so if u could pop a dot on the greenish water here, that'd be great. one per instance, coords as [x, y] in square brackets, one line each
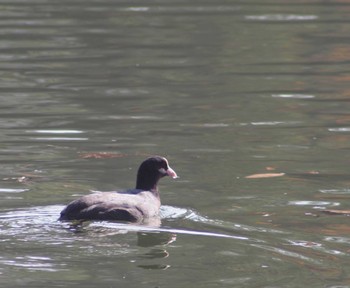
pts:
[224, 90]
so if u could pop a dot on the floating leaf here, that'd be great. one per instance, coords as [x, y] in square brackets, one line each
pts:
[264, 175]
[101, 155]
[337, 212]
[26, 178]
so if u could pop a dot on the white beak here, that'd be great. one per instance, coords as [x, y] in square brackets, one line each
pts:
[171, 173]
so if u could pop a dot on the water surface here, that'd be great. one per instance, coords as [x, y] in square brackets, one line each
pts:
[224, 90]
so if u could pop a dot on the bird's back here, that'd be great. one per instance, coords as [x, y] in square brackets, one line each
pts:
[132, 206]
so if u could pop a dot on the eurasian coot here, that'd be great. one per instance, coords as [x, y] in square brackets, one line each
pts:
[134, 205]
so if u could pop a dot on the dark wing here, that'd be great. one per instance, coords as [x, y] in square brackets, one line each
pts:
[80, 210]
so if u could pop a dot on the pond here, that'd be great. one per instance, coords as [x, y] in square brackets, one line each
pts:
[248, 100]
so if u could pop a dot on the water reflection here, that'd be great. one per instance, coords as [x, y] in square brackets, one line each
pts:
[154, 239]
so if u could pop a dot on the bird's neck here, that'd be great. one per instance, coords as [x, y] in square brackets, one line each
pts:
[148, 184]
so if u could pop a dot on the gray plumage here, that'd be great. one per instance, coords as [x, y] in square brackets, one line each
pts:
[134, 205]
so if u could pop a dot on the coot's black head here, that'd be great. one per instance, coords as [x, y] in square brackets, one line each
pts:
[151, 170]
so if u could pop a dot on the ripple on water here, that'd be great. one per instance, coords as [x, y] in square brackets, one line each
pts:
[316, 204]
[335, 191]
[315, 246]
[59, 138]
[340, 129]
[31, 263]
[206, 125]
[13, 190]
[55, 131]
[37, 227]
[287, 253]
[126, 117]
[281, 17]
[183, 9]
[58, 135]
[271, 124]
[293, 96]
[337, 239]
